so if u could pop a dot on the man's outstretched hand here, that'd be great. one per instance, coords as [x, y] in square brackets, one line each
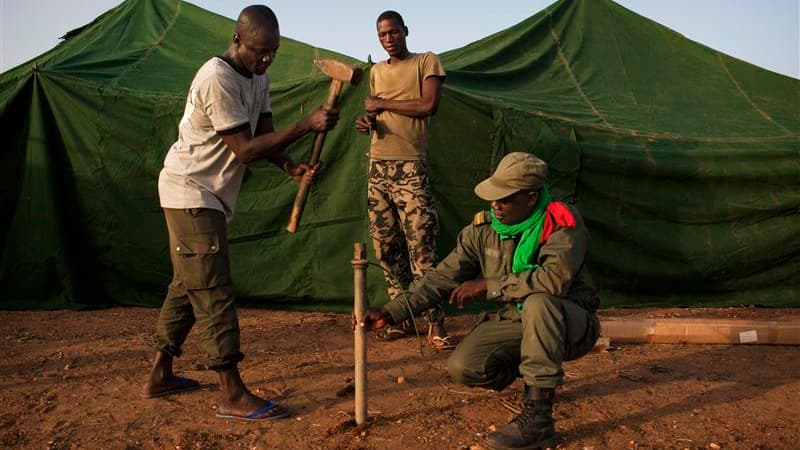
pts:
[374, 318]
[468, 291]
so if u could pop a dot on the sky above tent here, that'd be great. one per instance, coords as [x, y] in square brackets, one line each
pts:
[763, 33]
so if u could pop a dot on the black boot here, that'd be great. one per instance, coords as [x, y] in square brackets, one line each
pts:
[533, 428]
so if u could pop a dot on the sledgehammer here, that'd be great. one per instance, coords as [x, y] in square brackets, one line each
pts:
[340, 73]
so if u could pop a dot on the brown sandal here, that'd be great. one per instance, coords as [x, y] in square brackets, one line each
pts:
[441, 342]
[391, 333]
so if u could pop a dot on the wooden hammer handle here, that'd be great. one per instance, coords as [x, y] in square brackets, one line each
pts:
[305, 186]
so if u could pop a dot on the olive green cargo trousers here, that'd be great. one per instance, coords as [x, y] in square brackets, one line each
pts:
[531, 343]
[201, 290]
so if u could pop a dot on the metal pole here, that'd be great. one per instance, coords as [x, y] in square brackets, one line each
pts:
[359, 263]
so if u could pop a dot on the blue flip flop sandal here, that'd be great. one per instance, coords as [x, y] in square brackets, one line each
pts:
[184, 385]
[270, 411]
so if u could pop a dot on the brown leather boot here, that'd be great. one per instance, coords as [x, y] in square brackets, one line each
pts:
[533, 428]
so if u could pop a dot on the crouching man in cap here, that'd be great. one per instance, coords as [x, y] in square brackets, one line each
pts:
[528, 253]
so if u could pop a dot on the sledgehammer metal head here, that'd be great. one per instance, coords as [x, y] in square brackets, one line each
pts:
[338, 70]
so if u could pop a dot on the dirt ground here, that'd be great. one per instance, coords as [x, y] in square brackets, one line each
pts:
[71, 380]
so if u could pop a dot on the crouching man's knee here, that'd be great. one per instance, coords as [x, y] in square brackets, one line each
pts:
[458, 370]
[492, 374]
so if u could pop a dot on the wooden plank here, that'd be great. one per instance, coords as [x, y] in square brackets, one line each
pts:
[700, 331]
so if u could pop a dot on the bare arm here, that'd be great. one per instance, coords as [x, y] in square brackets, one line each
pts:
[461, 265]
[424, 106]
[271, 144]
[280, 158]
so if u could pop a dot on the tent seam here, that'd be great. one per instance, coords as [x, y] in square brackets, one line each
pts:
[274, 89]
[497, 137]
[629, 131]
[150, 48]
[66, 44]
[623, 65]
[748, 99]
[564, 62]
[104, 89]
[621, 195]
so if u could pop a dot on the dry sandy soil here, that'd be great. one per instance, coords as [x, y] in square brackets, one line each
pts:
[71, 380]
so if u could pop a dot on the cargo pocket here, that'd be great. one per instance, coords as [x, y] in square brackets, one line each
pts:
[201, 263]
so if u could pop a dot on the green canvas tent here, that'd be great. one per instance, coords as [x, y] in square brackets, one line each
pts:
[685, 162]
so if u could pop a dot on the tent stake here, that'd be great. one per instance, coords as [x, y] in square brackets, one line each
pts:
[359, 263]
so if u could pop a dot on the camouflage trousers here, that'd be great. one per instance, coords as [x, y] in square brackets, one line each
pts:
[403, 224]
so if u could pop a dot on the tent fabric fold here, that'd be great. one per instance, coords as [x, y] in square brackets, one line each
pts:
[684, 162]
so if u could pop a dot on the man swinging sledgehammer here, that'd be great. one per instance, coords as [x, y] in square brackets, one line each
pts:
[227, 124]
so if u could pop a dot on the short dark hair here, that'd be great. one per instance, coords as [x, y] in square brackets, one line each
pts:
[391, 15]
[255, 17]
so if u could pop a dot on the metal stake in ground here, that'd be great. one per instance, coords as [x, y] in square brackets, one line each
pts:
[359, 263]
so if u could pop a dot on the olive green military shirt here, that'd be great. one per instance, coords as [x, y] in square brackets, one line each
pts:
[480, 253]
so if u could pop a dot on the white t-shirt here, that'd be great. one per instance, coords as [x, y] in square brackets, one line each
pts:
[200, 171]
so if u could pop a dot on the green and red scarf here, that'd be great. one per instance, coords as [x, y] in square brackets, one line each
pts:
[534, 230]
[531, 231]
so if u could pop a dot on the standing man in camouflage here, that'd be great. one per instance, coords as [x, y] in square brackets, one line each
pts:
[527, 252]
[227, 124]
[403, 222]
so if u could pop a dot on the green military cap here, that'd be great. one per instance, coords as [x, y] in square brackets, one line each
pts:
[517, 171]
